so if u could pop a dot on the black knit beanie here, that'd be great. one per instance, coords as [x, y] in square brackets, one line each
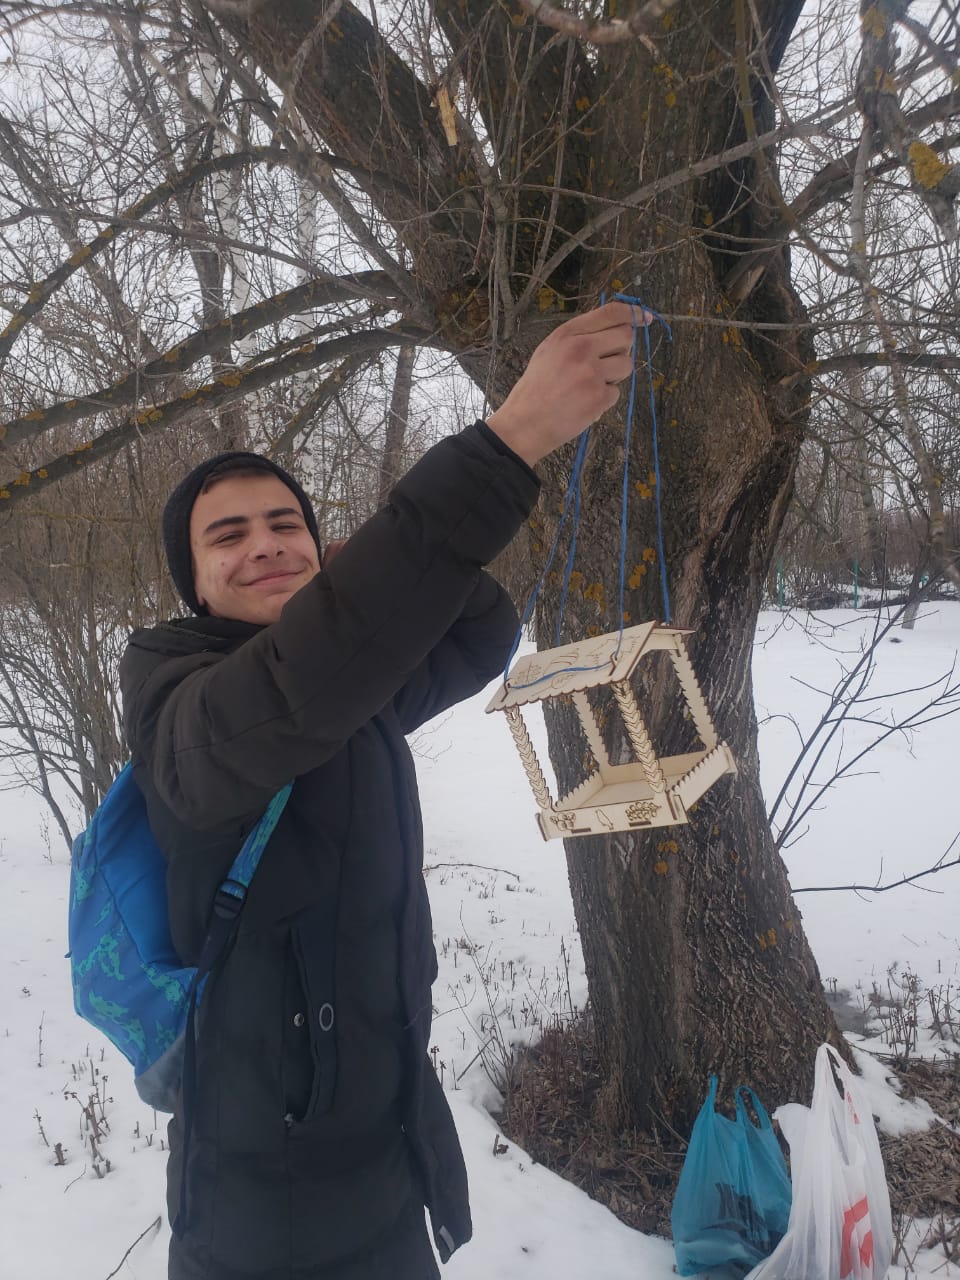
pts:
[176, 515]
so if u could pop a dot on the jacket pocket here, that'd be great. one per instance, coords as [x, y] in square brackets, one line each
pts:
[314, 951]
[297, 1067]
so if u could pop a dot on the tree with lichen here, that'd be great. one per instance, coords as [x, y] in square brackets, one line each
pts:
[490, 170]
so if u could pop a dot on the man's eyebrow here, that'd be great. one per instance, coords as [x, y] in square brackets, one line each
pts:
[273, 514]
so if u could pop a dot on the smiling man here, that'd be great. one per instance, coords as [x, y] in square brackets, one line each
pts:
[319, 1130]
[251, 545]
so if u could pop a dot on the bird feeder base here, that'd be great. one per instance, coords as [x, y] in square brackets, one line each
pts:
[624, 800]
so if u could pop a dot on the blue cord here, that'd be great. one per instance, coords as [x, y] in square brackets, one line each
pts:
[573, 494]
[571, 487]
[576, 477]
[625, 488]
[656, 456]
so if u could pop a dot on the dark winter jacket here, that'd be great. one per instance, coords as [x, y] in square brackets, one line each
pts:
[318, 1115]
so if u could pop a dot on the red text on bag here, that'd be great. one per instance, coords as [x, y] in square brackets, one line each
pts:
[852, 1216]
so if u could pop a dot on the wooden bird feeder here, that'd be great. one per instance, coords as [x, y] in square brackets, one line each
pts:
[647, 792]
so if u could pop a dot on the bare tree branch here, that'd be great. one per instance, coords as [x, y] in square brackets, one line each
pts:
[207, 342]
[222, 391]
[859, 260]
[893, 884]
[317, 171]
[370, 106]
[834, 182]
[639, 26]
[40, 293]
[689, 173]
[933, 360]
[326, 391]
[935, 182]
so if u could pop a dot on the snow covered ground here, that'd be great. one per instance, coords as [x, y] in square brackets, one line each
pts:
[505, 933]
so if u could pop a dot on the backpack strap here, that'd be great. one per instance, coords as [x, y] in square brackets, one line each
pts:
[224, 919]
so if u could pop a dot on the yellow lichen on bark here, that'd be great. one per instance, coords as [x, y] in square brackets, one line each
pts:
[927, 167]
[873, 24]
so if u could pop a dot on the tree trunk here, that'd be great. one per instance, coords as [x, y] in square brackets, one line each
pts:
[862, 478]
[695, 955]
[396, 427]
[863, 481]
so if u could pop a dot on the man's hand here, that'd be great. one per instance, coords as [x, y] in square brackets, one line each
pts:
[573, 377]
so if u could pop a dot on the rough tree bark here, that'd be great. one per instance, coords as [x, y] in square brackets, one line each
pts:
[695, 953]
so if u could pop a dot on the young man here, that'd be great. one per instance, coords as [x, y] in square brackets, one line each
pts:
[318, 1129]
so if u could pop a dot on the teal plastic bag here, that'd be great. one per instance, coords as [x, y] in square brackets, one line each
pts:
[732, 1203]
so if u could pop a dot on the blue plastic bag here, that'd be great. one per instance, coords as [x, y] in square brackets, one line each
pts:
[732, 1203]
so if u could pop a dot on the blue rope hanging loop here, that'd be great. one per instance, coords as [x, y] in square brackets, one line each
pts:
[573, 497]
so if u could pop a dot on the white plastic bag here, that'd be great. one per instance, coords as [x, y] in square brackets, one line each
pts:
[840, 1226]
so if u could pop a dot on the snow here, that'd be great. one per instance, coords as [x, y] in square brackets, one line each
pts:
[508, 947]
[895, 817]
[894, 1115]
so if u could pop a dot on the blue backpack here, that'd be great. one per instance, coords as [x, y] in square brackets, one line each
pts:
[128, 981]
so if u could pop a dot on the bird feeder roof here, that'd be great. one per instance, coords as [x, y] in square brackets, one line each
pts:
[598, 660]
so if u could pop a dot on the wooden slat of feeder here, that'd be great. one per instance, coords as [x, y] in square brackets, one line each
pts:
[627, 805]
[591, 730]
[698, 779]
[693, 694]
[622, 782]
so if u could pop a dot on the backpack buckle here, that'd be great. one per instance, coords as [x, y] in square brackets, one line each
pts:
[227, 902]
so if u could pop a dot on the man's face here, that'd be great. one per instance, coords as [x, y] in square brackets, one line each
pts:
[251, 548]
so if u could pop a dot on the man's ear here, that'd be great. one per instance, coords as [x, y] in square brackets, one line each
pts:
[193, 574]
